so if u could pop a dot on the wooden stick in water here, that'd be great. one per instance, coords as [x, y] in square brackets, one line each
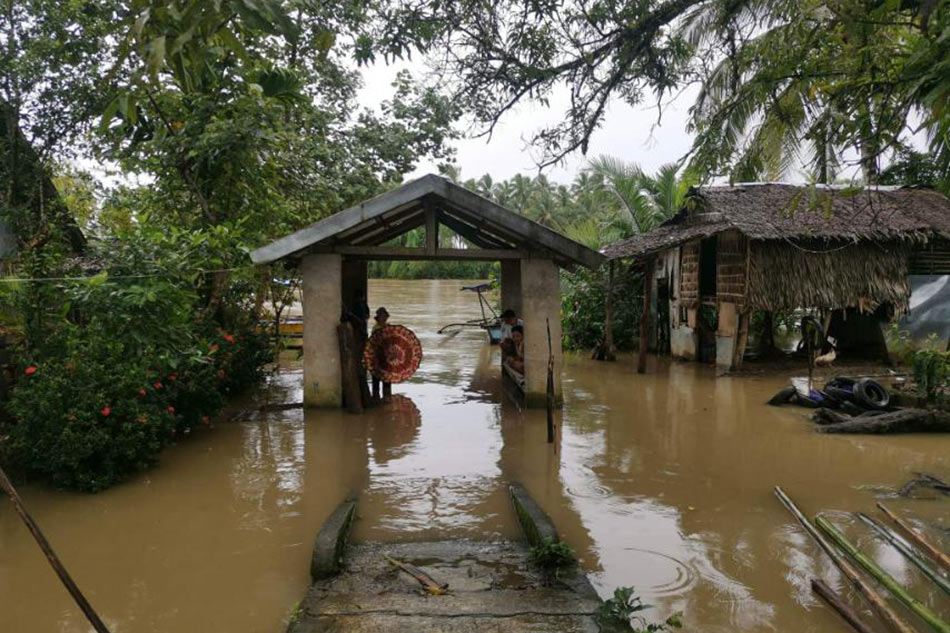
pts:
[424, 579]
[843, 608]
[905, 548]
[896, 589]
[549, 395]
[890, 617]
[51, 556]
[942, 559]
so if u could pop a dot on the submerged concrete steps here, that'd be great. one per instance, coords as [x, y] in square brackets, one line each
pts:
[492, 587]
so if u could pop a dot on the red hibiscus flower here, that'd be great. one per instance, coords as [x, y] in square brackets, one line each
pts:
[228, 338]
[106, 411]
[171, 409]
[29, 371]
[158, 385]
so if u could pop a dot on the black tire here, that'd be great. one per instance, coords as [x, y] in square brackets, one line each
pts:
[870, 394]
[843, 382]
[783, 396]
[838, 394]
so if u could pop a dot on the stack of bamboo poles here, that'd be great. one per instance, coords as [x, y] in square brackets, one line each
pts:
[828, 537]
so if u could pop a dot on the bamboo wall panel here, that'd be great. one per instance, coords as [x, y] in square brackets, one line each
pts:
[931, 259]
[689, 274]
[732, 250]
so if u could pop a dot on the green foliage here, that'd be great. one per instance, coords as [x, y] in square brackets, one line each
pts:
[583, 312]
[623, 611]
[931, 370]
[553, 556]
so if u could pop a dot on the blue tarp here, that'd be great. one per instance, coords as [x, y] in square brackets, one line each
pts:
[929, 307]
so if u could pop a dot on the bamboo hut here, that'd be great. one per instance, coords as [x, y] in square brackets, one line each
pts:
[846, 254]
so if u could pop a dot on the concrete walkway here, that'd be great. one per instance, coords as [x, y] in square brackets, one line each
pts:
[493, 588]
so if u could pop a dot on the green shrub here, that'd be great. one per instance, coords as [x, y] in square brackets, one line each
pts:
[553, 556]
[125, 370]
[622, 611]
[931, 370]
[85, 424]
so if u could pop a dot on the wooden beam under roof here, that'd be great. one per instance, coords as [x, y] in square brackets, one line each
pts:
[473, 234]
[409, 253]
[384, 233]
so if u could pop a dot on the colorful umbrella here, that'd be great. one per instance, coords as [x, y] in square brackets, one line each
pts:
[392, 353]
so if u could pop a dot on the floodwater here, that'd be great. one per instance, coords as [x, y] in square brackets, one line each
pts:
[661, 481]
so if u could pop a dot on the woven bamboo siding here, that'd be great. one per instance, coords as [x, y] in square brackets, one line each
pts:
[689, 274]
[732, 258]
[783, 276]
[932, 258]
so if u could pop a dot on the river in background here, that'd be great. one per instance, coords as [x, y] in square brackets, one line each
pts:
[662, 481]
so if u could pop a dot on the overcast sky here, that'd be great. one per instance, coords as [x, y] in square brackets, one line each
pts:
[627, 133]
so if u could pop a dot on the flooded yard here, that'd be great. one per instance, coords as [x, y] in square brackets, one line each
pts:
[661, 481]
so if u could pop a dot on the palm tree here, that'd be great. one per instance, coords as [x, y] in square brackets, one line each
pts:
[639, 202]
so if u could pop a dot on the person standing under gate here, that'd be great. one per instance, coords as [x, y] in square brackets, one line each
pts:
[382, 318]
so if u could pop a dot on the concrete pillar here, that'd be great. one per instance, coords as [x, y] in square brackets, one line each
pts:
[727, 336]
[540, 303]
[322, 277]
[511, 285]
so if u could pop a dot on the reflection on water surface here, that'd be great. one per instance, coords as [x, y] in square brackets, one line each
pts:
[661, 481]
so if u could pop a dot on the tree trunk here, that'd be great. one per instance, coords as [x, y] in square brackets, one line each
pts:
[902, 421]
[606, 349]
[645, 317]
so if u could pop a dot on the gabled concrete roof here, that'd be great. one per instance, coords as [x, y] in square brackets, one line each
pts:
[485, 224]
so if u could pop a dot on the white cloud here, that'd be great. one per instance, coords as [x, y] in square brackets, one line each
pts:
[627, 133]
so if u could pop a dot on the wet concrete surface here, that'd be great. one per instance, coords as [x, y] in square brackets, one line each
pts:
[491, 587]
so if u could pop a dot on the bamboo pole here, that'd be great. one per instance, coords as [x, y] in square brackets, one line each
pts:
[839, 605]
[896, 589]
[905, 548]
[51, 556]
[942, 559]
[890, 617]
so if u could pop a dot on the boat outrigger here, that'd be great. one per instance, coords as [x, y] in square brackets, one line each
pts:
[490, 321]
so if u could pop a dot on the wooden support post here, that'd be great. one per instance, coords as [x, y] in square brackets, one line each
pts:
[51, 556]
[549, 399]
[645, 317]
[742, 339]
[350, 369]
[432, 231]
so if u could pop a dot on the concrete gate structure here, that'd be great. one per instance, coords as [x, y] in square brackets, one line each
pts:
[332, 256]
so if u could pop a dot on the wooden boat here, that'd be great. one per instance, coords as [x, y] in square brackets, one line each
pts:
[513, 376]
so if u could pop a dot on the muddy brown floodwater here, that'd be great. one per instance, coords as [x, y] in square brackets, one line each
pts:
[661, 481]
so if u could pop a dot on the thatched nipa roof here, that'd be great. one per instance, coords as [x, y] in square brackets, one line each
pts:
[785, 275]
[777, 211]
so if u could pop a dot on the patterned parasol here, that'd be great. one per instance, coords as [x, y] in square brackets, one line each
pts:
[392, 354]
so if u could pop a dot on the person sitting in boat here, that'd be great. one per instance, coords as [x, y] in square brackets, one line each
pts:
[509, 320]
[381, 318]
[515, 359]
